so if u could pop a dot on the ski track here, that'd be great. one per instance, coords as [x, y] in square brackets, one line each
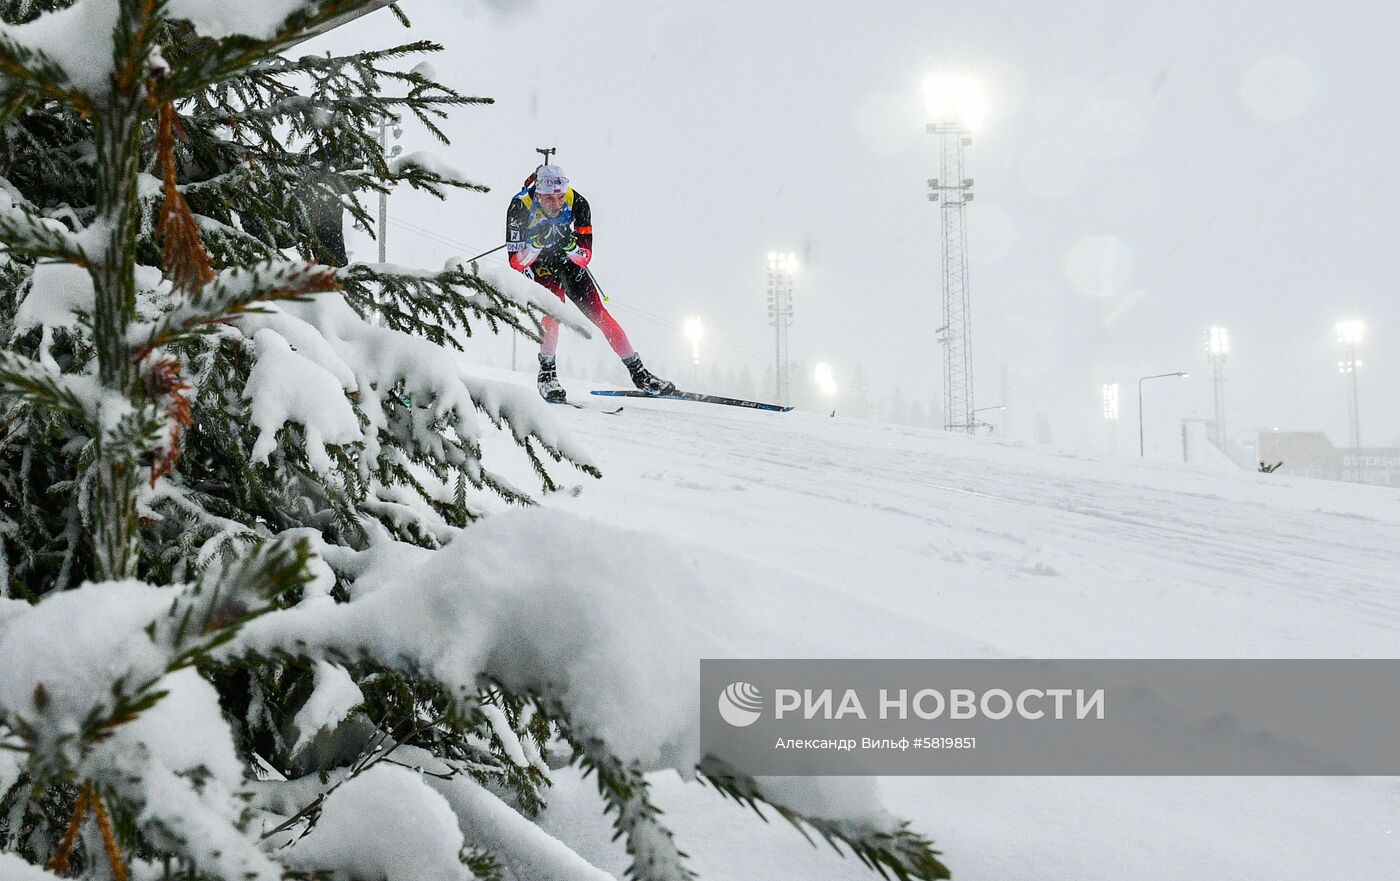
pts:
[918, 543]
[936, 508]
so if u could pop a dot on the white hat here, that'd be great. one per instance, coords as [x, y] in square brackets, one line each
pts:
[550, 180]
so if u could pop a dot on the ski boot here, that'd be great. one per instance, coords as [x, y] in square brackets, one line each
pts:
[548, 382]
[645, 380]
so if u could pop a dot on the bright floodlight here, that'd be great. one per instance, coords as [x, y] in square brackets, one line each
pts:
[825, 379]
[1218, 341]
[785, 262]
[1110, 401]
[694, 331]
[961, 98]
[1350, 332]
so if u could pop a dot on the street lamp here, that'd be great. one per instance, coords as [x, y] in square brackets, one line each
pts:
[389, 153]
[989, 425]
[1142, 446]
[1349, 334]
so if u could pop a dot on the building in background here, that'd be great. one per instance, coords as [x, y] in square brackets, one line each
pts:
[1312, 454]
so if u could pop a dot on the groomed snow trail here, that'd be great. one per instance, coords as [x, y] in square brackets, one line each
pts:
[862, 539]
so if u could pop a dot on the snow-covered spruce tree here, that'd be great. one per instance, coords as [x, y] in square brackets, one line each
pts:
[243, 631]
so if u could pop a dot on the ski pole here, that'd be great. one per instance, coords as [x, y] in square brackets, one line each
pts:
[483, 254]
[589, 273]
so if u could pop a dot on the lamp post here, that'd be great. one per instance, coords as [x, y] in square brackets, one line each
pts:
[1349, 334]
[1142, 444]
[389, 153]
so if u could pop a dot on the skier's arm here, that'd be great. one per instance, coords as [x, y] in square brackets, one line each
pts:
[581, 250]
[521, 254]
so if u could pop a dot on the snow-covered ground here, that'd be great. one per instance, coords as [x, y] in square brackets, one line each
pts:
[861, 539]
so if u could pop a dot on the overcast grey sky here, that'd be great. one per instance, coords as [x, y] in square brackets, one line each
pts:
[1147, 170]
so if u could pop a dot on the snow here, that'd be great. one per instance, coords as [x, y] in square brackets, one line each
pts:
[860, 539]
[11, 608]
[58, 292]
[185, 731]
[385, 825]
[78, 39]
[500, 726]
[332, 698]
[78, 649]
[727, 533]
[429, 162]
[375, 359]
[496, 601]
[12, 868]
[220, 18]
[68, 661]
[526, 292]
[301, 336]
[188, 815]
[10, 769]
[491, 824]
[286, 387]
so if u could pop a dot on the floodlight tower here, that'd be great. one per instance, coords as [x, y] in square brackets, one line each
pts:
[957, 105]
[1110, 411]
[781, 268]
[1217, 350]
[1349, 334]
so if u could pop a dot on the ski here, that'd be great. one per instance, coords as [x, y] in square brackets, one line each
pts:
[610, 411]
[693, 396]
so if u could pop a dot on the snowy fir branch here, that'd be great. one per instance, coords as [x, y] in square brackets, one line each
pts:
[624, 789]
[29, 75]
[31, 381]
[258, 588]
[232, 293]
[899, 852]
[211, 59]
[35, 236]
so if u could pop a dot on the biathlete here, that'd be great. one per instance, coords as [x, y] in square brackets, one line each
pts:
[549, 234]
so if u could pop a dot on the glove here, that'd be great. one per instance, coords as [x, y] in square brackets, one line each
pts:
[546, 236]
[579, 256]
